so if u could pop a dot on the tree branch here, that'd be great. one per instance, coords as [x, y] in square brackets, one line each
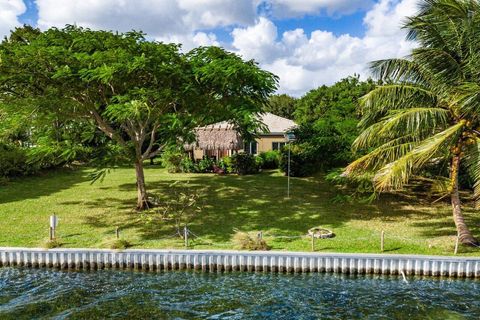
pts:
[102, 125]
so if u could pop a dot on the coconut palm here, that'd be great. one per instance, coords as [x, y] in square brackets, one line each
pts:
[428, 109]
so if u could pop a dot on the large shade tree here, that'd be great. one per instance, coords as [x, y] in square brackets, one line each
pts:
[428, 111]
[141, 94]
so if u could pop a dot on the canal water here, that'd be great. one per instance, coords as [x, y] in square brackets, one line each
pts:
[36, 293]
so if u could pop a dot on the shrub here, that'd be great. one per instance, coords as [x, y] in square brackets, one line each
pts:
[204, 165]
[13, 161]
[226, 164]
[244, 163]
[271, 159]
[52, 244]
[302, 160]
[249, 241]
[174, 160]
[119, 244]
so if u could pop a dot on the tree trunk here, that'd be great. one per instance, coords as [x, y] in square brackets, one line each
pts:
[142, 201]
[464, 234]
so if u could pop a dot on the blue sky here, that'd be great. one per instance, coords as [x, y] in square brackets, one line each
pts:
[307, 43]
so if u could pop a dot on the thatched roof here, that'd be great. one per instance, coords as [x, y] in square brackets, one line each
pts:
[223, 136]
[216, 138]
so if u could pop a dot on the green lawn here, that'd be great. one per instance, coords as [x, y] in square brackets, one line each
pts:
[89, 214]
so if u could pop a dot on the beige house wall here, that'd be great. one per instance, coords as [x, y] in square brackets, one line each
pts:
[265, 142]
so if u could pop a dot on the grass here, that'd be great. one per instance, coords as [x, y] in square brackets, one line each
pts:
[88, 214]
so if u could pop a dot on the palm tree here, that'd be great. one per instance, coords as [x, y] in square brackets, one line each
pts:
[428, 109]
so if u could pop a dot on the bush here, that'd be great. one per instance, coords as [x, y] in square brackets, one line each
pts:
[174, 160]
[244, 163]
[226, 164]
[302, 160]
[204, 165]
[271, 159]
[13, 162]
[52, 244]
[249, 241]
[119, 244]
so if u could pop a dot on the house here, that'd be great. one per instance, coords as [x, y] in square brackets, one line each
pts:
[220, 139]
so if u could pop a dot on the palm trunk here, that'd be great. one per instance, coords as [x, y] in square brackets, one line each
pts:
[142, 201]
[464, 234]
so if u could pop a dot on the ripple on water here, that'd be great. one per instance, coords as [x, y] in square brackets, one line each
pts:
[35, 293]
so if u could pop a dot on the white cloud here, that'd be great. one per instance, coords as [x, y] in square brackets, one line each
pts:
[305, 61]
[9, 12]
[158, 18]
[192, 41]
[257, 42]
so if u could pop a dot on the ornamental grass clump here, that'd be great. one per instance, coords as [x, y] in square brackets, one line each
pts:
[249, 241]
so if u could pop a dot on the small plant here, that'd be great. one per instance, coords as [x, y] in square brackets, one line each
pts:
[119, 244]
[205, 165]
[227, 165]
[181, 205]
[249, 241]
[51, 244]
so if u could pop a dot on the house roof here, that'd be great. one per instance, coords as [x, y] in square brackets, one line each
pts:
[274, 123]
[223, 136]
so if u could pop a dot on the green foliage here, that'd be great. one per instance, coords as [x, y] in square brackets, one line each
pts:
[427, 110]
[204, 165]
[176, 161]
[182, 205]
[119, 244]
[249, 241]
[13, 161]
[52, 244]
[303, 159]
[226, 164]
[328, 120]
[244, 163]
[271, 159]
[143, 95]
[281, 105]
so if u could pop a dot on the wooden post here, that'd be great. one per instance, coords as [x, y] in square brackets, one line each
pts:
[51, 234]
[313, 242]
[456, 245]
[382, 241]
[185, 236]
[117, 232]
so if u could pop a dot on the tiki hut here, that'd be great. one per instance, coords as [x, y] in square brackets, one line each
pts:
[217, 140]
[221, 139]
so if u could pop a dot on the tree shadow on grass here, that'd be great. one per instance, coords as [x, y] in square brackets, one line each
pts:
[43, 184]
[259, 202]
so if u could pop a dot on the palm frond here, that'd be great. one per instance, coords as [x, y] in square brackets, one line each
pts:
[375, 104]
[395, 174]
[382, 155]
[417, 122]
[472, 163]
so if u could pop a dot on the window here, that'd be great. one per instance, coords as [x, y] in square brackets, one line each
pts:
[250, 148]
[276, 146]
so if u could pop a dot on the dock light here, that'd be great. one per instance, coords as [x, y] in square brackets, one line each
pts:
[290, 137]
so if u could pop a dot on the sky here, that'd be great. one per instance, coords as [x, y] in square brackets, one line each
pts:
[307, 43]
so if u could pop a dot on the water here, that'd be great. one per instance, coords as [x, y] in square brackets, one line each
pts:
[34, 293]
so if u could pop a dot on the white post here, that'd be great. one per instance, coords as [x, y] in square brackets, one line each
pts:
[288, 173]
[185, 235]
